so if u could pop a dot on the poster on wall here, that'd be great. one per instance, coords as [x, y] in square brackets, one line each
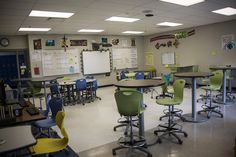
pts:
[149, 58]
[78, 42]
[115, 41]
[228, 42]
[37, 44]
[50, 42]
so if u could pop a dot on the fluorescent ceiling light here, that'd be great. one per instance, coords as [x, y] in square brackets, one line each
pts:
[184, 2]
[35, 29]
[38, 13]
[121, 19]
[225, 11]
[171, 24]
[133, 32]
[91, 30]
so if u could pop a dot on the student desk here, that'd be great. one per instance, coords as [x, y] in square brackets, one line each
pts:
[40, 79]
[44, 80]
[24, 118]
[193, 75]
[223, 68]
[69, 86]
[139, 84]
[15, 138]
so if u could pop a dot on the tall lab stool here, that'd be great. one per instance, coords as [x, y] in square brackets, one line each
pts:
[214, 85]
[129, 104]
[170, 128]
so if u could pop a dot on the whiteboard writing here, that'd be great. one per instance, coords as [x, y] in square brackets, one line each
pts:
[124, 58]
[59, 62]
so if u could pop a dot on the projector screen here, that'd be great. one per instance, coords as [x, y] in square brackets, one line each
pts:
[96, 62]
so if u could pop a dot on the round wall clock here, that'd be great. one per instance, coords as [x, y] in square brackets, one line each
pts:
[4, 42]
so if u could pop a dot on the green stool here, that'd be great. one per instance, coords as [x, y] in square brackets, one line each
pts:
[129, 104]
[170, 128]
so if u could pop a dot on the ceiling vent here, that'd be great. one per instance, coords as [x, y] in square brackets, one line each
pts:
[54, 19]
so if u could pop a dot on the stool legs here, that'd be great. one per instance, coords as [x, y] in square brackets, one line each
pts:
[132, 142]
[209, 109]
[170, 128]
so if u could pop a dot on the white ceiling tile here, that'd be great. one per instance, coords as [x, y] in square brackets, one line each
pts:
[92, 13]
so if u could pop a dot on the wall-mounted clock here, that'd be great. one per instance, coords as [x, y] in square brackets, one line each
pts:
[4, 42]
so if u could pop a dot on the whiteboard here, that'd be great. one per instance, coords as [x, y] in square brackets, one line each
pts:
[59, 62]
[124, 58]
[96, 62]
[168, 58]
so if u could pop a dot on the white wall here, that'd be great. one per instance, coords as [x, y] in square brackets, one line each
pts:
[102, 79]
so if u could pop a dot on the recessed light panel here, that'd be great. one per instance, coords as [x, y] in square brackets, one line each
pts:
[91, 30]
[35, 29]
[184, 2]
[226, 11]
[121, 19]
[132, 32]
[38, 13]
[171, 24]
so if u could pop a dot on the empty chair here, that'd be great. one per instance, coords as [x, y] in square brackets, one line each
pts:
[54, 105]
[51, 145]
[229, 79]
[169, 92]
[54, 88]
[204, 97]
[129, 104]
[122, 75]
[81, 90]
[124, 120]
[94, 90]
[139, 76]
[170, 128]
[34, 90]
[215, 84]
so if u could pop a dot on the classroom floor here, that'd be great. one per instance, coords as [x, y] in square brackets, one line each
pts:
[90, 129]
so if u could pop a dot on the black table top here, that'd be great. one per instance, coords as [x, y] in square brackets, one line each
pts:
[193, 74]
[139, 83]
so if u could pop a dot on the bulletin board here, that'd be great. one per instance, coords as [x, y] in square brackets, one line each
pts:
[96, 62]
[124, 58]
[59, 62]
[168, 58]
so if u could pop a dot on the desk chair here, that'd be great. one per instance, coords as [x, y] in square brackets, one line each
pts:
[169, 92]
[166, 92]
[94, 91]
[214, 85]
[129, 103]
[229, 79]
[170, 127]
[54, 105]
[122, 75]
[124, 120]
[81, 90]
[34, 90]
[51, 145]
[139, 76]
[54, 88]
[205, 97]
